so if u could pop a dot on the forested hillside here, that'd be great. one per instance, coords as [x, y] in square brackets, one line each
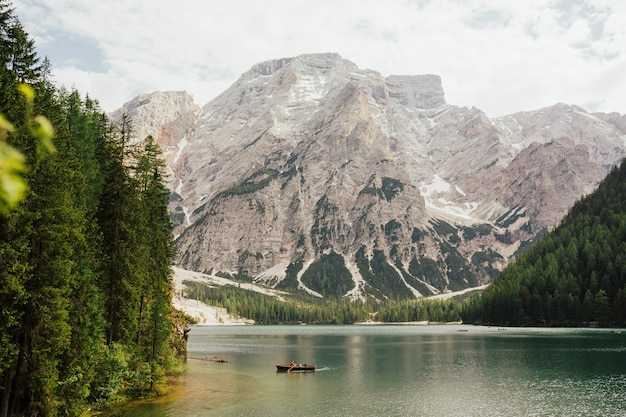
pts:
[85, 247]
[265, 309]
[575, 275]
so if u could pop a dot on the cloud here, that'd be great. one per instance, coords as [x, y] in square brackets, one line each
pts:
[499, 56]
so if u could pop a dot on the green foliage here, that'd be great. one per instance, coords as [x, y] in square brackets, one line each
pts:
[12, 185]
[85, 257]
[382, 277]
[572, 276]
[290, 173]
[485, 260]
[370, 190]
[429, 270]
[424, 309]
[112, 372]
[417, 235]
[390, 229]
[223, 274]
[177, 218]
[511, 216]
[484, 229]
[391, 187]
[12, 162]
[328, 276]
[526, 244]
[291, 276]
[255, 140]
[254, 183]
[292, 159]
[265, 309]
[324, 224]
[469, 233]
[443, 228]
[460, 275]
[413, 281]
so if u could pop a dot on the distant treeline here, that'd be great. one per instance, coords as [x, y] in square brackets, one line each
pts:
[85, 247]
[265, 309]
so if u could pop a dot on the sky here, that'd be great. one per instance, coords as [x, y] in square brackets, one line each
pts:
[501, 56]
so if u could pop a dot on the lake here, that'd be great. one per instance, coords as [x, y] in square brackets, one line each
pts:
[399, 370]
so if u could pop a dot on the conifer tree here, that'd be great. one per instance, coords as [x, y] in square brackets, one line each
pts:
[85, 277]
[159, 253]
[116, 221]
[574, 275]
[23, 59]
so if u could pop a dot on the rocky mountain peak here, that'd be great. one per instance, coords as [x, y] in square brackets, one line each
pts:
[168, 116]
[321, 62]
[417, 91]
[313, 175]
[306, 75]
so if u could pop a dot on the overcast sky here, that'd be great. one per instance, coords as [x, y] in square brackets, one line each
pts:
[501, 56]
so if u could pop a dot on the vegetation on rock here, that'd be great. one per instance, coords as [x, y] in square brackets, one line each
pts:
[575, 275]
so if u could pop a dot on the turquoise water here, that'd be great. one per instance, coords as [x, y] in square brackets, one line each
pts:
[446, 370]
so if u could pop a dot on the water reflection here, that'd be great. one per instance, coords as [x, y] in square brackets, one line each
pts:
[393, 370]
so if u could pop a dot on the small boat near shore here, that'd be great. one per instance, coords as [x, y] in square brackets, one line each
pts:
[297, 367]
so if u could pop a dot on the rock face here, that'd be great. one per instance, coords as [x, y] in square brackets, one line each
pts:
[311, 173]
[168, 116]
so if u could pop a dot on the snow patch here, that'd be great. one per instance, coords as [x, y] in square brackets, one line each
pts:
[356, 293]
[301, 285]
[437, 185]
[415, 292]
[277, 271]
[181, 145]
[179, 188]
[449, 295]
[309, 87]
[187, 215]
[444, 207]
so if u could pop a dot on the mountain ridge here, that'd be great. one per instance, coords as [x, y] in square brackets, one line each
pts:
[308, 156]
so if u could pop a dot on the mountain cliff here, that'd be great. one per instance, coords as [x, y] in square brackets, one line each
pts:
[309, 173]
[573, 276]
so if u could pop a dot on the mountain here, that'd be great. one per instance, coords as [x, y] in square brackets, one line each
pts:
[168, 116]
[573, 276]
[310, 173]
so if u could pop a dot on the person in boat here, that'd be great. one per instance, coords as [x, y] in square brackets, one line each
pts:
[292, 364]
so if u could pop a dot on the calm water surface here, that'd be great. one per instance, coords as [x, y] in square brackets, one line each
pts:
[399, 371]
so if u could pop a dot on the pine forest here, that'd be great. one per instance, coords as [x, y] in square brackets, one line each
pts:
[574, 276]
[85, 247]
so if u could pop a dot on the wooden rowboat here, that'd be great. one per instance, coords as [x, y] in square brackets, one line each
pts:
[295, 368]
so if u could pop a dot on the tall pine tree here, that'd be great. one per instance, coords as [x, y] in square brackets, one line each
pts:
[85, 277]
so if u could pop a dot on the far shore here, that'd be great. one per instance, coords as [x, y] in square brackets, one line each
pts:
[207, 315]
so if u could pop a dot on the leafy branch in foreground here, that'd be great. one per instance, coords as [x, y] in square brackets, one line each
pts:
[12, 162]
